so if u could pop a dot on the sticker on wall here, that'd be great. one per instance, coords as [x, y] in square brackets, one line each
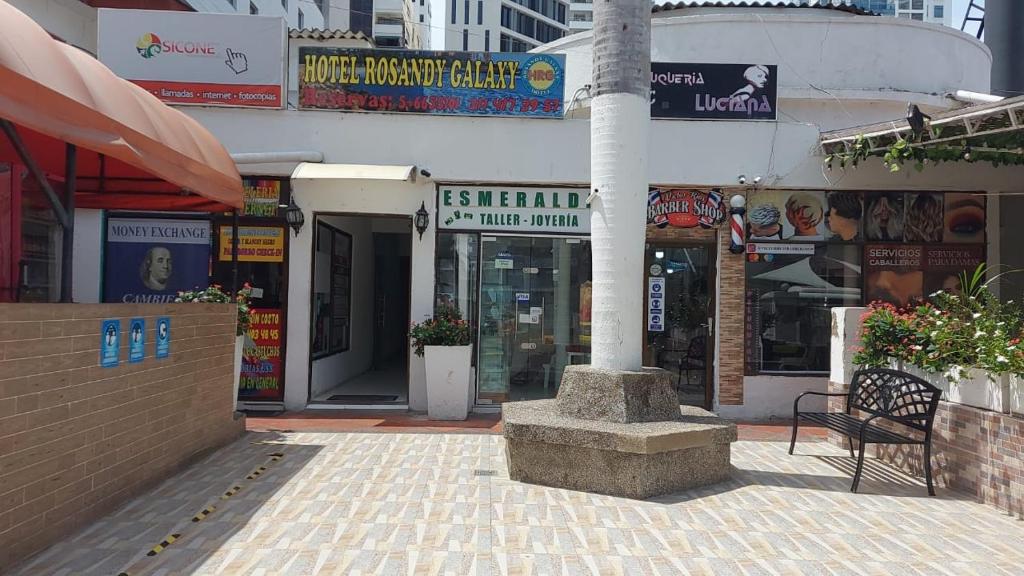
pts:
[136, 340]
[655, 269]
[522, 296]
[163, 337]
[110, 343]
[655, 304]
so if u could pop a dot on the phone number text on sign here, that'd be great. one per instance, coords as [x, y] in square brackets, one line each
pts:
[321, 98]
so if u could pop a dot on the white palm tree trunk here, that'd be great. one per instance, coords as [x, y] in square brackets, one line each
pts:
[619, 125]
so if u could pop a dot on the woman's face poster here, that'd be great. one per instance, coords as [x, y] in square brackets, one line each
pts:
[964, 219]
[883, 216]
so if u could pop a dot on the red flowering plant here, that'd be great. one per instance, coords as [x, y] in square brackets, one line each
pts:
[446, 328]
[947, 334]
[214, 294]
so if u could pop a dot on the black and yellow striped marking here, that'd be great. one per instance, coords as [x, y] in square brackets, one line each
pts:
[234, 490]
[163, 545]
[252, 475]
[204, 513]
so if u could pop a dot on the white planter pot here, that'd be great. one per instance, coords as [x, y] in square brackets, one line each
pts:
[978, 388]
[448, 390]
[1016, 388]
[239, 346]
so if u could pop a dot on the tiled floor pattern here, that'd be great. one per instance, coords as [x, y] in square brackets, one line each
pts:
[351, 503]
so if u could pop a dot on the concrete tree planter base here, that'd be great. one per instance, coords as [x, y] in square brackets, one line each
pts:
[239, 347]
[448, 391]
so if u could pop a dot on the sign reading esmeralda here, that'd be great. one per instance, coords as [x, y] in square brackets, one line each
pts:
[714, 91]
[425, 82]
[507, 209]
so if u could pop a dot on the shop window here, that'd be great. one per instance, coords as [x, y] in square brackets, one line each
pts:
[808, 251]
[39, 265]
[332, 291]
[789, 300]
[457, 281]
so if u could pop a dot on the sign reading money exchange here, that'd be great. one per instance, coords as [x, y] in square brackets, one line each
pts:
[452, 83]
[714, 91]
[513, 210]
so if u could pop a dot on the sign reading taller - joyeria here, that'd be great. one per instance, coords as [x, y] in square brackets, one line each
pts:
[514, 210]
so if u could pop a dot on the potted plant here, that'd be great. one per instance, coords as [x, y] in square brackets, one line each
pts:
[214, 294]
[444, 342]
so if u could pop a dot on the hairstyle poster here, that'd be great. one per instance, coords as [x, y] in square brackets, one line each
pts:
[924, 220]
[785, 215]
[964, 220]
[149, 260]
[844, 216]
[883, 216]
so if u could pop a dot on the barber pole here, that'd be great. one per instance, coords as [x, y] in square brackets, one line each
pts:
[737, 209]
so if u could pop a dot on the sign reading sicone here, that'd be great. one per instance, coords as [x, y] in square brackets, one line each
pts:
[453, 83]
[503, 209]
[714, 91]
[196, 58]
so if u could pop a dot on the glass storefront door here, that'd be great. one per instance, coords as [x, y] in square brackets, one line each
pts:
[680, 339]
[534, 315]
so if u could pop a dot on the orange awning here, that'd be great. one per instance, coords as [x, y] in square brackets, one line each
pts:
[134, 152]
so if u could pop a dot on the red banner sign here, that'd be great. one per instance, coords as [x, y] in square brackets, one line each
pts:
[261, 358]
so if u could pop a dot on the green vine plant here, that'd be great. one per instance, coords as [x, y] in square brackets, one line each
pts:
[999, 150]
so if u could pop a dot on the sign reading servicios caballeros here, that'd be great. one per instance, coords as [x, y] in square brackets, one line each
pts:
[519, 210]
[453, 83]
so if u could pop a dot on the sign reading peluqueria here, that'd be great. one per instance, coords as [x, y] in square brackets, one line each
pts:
[513, 210]
[425, 82]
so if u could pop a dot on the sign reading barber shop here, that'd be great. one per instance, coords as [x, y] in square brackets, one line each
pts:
[683, 208]
[521, 210]
[714, 91]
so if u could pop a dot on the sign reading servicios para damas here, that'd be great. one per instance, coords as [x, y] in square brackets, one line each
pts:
[514, 210]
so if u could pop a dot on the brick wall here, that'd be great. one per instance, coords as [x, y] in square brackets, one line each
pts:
[78, 440]
[732, 287]
[973, 450]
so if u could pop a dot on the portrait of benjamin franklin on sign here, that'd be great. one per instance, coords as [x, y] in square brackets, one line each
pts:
[156, 268]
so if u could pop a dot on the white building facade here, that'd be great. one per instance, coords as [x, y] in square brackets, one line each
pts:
[504, 25]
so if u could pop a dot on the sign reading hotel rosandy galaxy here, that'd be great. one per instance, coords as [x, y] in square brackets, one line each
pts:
[197, 58]
[453, 83]
[714, 91]
[511, 209]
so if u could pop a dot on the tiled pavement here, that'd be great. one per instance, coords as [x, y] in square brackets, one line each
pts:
[357, 503]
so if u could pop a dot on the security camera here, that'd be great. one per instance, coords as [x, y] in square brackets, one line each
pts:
[757, 180]
[742, 179]
[425, 173]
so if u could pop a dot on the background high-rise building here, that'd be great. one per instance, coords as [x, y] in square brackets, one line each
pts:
[934, 11]
[504, 25]
[581, 15]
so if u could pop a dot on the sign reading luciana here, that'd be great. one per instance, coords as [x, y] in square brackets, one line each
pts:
[196, 58]
[682, 208]
[453, 83]
[714, 91]
[502, 209]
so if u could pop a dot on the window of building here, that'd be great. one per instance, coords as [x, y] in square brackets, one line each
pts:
[487, 40]
[253, 10]
[457, 276]
[938, 12]
[454, 6]
[332, 291]
[302, 19]
[360, 17]
[234, 3]
[466, 19]
[389, 19]
[421, 18]
[388, 41]
[320, 7]
[809, 251]
[284, 4]
[465, 39]
[480, 12]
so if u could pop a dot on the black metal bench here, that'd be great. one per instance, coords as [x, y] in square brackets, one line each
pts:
[882, 394]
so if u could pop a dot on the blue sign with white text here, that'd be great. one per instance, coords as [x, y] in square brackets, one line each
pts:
[431, 82]
[110, 343]
[163, 337]
[137, 340]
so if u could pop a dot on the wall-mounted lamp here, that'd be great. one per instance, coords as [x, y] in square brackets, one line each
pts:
[293, 215]
[422, 220]
[737, 208]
